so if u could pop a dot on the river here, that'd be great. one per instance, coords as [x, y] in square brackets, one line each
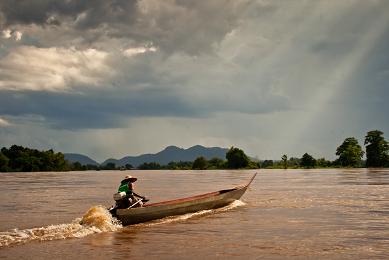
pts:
[294, 214]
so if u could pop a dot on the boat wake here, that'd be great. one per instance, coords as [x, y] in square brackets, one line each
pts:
[96, 220]
[235, 204]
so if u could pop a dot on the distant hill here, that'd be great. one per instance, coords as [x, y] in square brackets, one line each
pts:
[83, 159]
[172, 153]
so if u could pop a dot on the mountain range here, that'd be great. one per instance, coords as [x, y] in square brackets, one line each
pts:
[83, 159]
[169, 154]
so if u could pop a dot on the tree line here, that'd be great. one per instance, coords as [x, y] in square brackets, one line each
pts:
[235, 159]
[349, 154]
[22, 159]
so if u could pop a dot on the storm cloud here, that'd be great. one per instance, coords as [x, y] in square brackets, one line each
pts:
[247, 73]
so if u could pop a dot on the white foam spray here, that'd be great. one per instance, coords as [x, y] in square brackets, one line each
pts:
[96, 220]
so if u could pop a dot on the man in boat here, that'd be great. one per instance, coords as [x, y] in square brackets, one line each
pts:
[126, 197]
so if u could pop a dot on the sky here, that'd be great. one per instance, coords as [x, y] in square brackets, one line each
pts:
[109, 78]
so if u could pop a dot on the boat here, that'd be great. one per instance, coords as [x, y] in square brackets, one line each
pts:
[158, 210]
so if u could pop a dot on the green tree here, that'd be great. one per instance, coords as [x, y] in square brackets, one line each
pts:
[200, 163]
[377, 149]
[77, 166]
[294, 162]
[253, 165]
[284, 159]
[150, 166]
[323, 163]
[58, 162]
[236, 158]
[181, 165]
[350, 153]
[267, 164]
[26, 159]
[307, 161]
[128, 166]
[110, 166]
[216, 163]
[3, 162]
[92, 167]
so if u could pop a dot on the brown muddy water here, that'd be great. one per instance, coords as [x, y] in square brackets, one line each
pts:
[300, 214]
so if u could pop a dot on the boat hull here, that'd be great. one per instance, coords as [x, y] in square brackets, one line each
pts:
[181, 206]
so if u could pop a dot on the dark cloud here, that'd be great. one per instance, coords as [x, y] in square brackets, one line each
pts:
[107, 12]
[191, 27]
[344, 31]
[96, 110]
[39, 11]
[103, 109]
[43, 12]
[369, 85]
[173, 26]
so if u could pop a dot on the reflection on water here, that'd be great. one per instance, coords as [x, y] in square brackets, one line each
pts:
[364, 177]
[329, 214]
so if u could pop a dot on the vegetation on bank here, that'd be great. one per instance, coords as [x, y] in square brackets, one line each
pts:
[350, 154]
[21, 159]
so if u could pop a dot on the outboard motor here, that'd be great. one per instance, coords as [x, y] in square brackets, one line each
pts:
[122, 200]
[119, 196]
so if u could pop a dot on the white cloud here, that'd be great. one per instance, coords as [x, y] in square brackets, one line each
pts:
[6, 34]
[17, 35]
[4, 122]
[52, 69]
[138, 50]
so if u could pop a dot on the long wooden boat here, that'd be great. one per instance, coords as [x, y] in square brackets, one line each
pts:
[163, 209]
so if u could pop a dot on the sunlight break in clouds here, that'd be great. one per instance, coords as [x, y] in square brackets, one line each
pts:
[4, 122]
[51, 69]
[338, 79]
[7, 34]
[138, 50]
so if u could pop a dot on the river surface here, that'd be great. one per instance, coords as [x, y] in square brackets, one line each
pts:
[294, 214]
